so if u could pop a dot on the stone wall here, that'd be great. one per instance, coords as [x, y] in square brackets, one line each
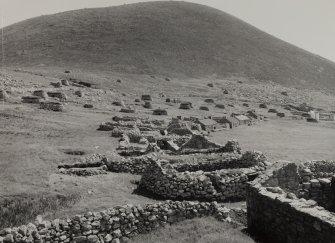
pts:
[112, 225]
[162, 179]
[277, 215]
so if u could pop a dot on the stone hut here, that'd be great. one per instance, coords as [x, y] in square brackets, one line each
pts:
[52, 106]
[232, 121]
[242, 119]
[220, 106]
[208, 124]
[160, 112]
[40, 93]
[128, 110]
[31, 99]
[146, 97]
[186, 106]
[204, 108]
[209, 100]
[88, 106]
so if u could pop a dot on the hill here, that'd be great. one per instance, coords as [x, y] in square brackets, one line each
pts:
[163, 38]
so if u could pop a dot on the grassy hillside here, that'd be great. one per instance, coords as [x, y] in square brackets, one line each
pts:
[166, 38]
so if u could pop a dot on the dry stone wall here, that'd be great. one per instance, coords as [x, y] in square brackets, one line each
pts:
[277, 215]
[113, 225]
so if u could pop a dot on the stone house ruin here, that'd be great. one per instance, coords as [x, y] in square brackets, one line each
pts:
[209, 100]
[242, 119]
[146, 97]
[186, 106]
[208, 124]
[327, 116]
[231, 121]
[204, 108]
[291, 203]
[31, 99]
[160, 112]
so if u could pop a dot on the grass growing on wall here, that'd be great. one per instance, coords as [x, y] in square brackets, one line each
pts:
[18, 210]
[204, 230]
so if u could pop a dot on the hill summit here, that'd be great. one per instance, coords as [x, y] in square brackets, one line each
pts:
[167, 38]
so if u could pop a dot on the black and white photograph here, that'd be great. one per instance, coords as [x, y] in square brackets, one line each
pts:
[141, 121]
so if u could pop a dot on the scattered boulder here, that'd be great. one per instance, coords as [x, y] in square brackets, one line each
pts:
[167, 79]
[284, 93]
[245, 104]
[281, 114]
[168, 100]
[210, 85]
[67, 71]
[137, 100]
[52, 106]
[225, 91]
[88, 106]
[31, 99]
[119, 81]
[40, 93]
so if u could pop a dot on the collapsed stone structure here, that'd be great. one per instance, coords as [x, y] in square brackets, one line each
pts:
[113, 225]
[59, 95]
[211, 181]
[52, 106]
[291, 203]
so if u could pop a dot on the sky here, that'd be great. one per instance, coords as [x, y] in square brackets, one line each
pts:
[309, 24]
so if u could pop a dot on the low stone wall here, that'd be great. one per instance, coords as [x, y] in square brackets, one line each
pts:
[135, 165]
[162, 179]
[277, 215]
[114, 225]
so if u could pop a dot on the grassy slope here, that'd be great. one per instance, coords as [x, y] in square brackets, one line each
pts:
[167, 38]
